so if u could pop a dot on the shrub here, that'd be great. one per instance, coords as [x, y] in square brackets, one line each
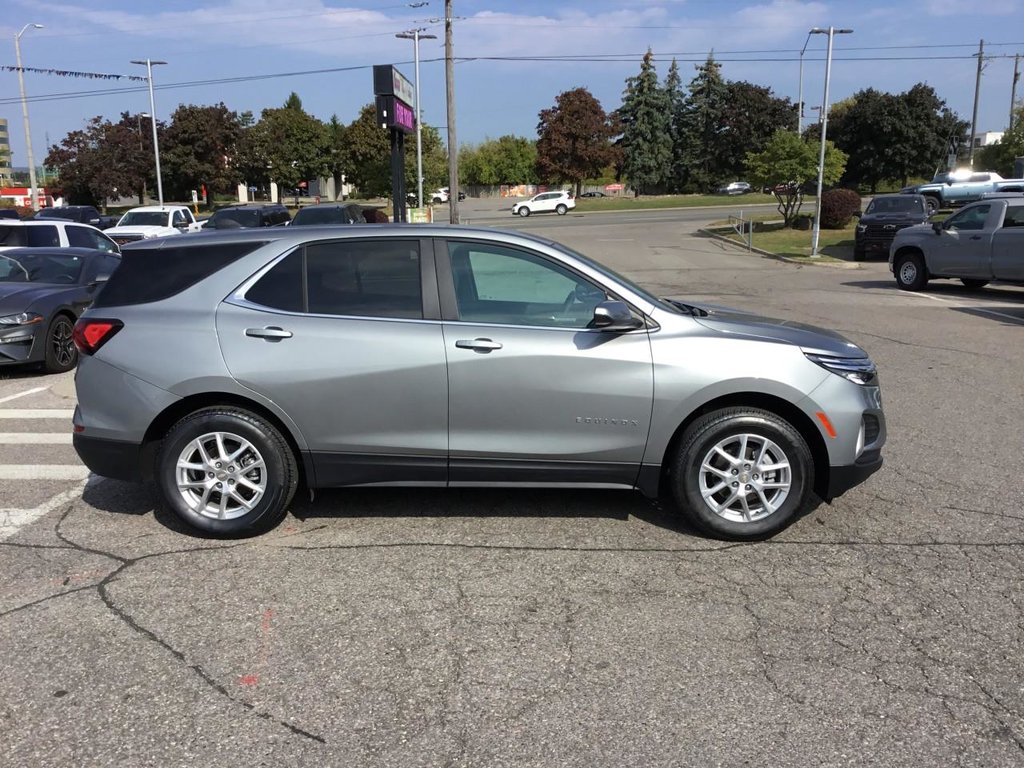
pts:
[838, 207]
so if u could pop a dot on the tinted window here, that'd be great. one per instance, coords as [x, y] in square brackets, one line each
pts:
[60, 269]
[12, 237]
[502, 285]
[1014, 216]
[365, 278]
[328, 214]
[233, 219]
[143, 219]
[969, 219]
[42, 237]
[151, 274]
[78, 237]
[281, 287]
[901, 204]
[56, 213]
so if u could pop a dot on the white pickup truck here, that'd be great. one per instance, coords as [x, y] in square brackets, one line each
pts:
[153, 221]
[980, 243]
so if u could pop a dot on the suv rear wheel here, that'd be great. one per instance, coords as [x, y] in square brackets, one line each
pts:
[226, 471]
[561, 209]
[742, 473]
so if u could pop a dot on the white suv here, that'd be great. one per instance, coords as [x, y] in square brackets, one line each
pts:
[53, 233]
[560, 202]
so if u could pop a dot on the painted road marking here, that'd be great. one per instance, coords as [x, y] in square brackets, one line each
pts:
[36, 413]
[43, 472]
[41, 438]
[960, 304]
[23, 394]
[12, 520]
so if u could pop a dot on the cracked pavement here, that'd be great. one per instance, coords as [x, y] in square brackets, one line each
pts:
[408, 627]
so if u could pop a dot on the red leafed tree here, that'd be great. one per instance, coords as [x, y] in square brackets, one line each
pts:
[575, 139]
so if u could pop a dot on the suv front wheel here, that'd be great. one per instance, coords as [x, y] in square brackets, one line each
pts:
[226, 471]
[742, 473]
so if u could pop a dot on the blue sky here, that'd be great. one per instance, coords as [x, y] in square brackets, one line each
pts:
[894, 45]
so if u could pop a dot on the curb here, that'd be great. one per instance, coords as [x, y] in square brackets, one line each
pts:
[789, 259]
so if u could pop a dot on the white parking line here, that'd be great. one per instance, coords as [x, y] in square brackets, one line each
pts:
[959, 303]
[23, 394]
[42, 438]
[43, 472]
[36, 413]
[12, 519]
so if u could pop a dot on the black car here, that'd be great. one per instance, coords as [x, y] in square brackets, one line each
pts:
[248, 217]
[9, 213]
[593, 194]
[42, 293]
[83, 214]
[329, 213]
[884, 217]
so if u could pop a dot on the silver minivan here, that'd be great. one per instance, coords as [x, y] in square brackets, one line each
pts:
[230, 367]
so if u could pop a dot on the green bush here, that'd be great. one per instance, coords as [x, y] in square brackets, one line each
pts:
[838, 207]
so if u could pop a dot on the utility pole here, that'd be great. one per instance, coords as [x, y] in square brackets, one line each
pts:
[974, 118]
[1013, 88]
[453, 147]
[24, 112]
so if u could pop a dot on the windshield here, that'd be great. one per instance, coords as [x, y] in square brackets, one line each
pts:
[40, 268]
[55, 213]
[234, 219]
[645, 294]
[325, 215]
[900, 204]
[144, 219]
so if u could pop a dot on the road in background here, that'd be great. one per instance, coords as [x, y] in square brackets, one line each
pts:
[565, 627]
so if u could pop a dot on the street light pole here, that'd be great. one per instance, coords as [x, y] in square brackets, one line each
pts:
[831, 32]
[24, 114]
[800, 93]
[152, 113]
[138, 121]
[415, 36]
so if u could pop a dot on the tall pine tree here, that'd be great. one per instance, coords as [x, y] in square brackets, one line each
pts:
[676, 101]
[646, 138]
[701, 123]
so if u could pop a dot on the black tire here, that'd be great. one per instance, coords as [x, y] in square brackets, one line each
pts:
[61, 354]
[859, 254]
[973, 282]
[279, 472]
[910, 272]
[561, 209]
[524, 211]
[931, 204]
[726, 427]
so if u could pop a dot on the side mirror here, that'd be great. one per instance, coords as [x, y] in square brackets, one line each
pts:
[614, 316]
[99, 281]
[937, 227]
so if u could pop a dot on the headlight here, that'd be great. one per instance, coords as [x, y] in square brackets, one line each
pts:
[859, 370]
[862, 228]
[25, 318]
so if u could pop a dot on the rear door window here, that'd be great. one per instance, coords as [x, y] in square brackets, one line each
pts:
[42, 237]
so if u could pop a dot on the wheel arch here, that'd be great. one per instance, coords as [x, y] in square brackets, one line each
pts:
[178, 410]
[801, 422]
[911, 250]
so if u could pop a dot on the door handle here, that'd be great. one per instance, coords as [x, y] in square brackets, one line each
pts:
[478, 345]
[270, 333]
[975, 237]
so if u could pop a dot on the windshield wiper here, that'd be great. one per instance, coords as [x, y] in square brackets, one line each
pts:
[688, 308]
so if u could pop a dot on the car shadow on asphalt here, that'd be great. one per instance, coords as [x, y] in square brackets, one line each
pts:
[947, 289]
[1009, 316]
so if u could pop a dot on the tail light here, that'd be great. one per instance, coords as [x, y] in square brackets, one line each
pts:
[92, 333]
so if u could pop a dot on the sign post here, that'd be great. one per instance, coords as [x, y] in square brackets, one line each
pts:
[394, 94]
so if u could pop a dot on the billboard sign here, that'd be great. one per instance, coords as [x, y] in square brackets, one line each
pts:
[393, 113]
[388, 81]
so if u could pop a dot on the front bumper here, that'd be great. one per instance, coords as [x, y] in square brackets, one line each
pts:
[18, 344]
[842, 479]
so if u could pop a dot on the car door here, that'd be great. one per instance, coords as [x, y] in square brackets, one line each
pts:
[535, 395]
[543, 203]
[962, 246]
[1008, 246]
[89, 237]
[344, 336]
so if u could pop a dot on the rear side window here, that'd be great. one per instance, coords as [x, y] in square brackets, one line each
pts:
[12, 237]
[154, 274]
[42, 237]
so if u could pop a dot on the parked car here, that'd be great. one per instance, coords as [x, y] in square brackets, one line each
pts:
[83, 214]
[735, 188]
[593, 193]
[443, 194]
[55, 233]
[42, 293]
[329, 213]
[962, 186]
[9, 213]
[150, 221]
[546, 202]
[980, 243]
[248, 216]
[453, 356]
[883, 218]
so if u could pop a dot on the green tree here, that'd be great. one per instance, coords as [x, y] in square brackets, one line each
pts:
[787, 163]
[701, 126]
[646, 142]
[749, 117]
[1000, 157]
[506, 160]
[197, 147]
[99, 162]
[366, 154]
[286, 146]
[676, 97]
[574, 138]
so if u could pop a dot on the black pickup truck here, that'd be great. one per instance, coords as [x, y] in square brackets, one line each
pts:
[885, 216]
[83, 214]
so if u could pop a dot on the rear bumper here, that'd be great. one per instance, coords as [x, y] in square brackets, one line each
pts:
[843, 478]
[110, 458]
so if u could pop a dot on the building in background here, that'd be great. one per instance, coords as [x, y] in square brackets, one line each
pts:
[5, 155]
[986, 138]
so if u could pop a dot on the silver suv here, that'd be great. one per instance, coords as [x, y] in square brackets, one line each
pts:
[229, 367]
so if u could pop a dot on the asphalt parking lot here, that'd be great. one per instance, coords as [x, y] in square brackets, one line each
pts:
[408, 627]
